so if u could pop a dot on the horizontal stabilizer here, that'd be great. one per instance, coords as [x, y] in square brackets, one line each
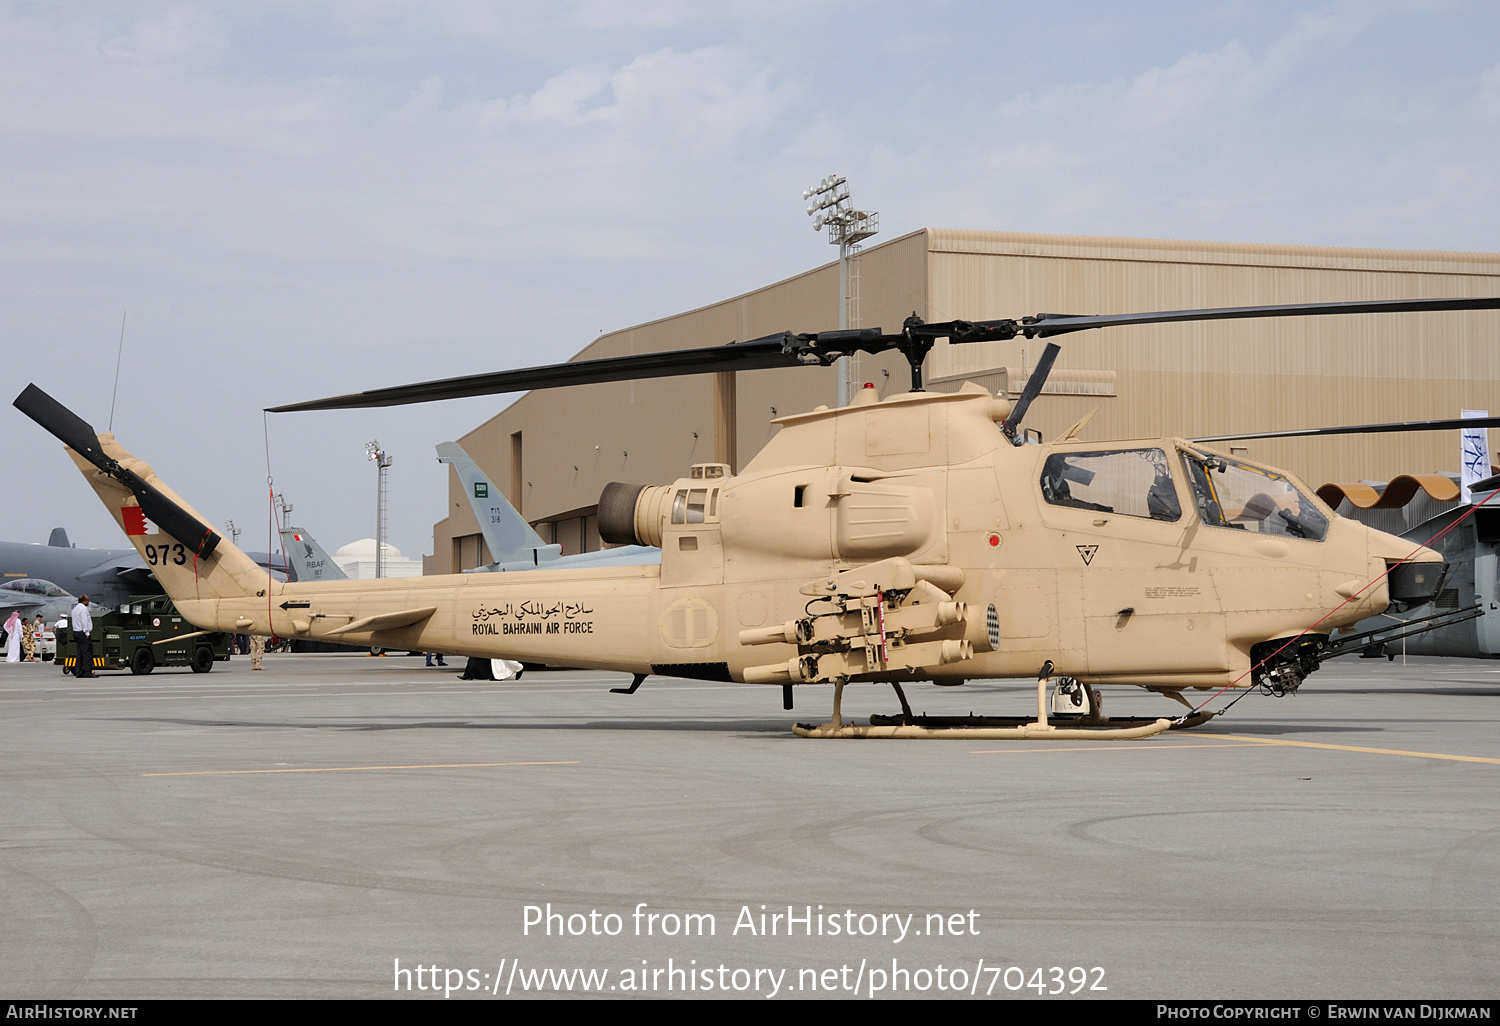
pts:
[386, 621]
[182, 637]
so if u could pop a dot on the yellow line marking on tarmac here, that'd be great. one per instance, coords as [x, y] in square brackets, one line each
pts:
[350, 769]
[1369, 751]
[1133, 746]
[1240, 741]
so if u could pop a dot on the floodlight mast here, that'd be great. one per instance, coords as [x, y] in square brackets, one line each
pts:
[383, 462]
[832, 206]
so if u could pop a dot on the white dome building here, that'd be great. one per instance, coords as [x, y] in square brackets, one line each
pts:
[357, 560]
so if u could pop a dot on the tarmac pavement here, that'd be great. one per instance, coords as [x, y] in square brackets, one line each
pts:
[319, 828]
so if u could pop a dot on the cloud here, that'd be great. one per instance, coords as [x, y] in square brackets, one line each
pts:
[295, 230]
[168, 37]
[1297, 140]
[528, 24]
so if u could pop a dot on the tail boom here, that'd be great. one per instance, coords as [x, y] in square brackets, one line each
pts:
[542, 616]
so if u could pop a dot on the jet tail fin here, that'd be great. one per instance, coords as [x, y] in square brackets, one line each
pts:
[509, 537]
[306, 558]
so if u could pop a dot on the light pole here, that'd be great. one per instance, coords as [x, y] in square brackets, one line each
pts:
[383, 461]
[832, 206]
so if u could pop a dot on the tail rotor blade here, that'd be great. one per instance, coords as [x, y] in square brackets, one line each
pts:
[75, 432]
[68, 427]
[170, 517]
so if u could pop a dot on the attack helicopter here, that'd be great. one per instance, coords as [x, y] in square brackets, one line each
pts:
[914, 538]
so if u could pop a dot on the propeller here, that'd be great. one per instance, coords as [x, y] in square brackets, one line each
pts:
[915, 340]
[74, 432]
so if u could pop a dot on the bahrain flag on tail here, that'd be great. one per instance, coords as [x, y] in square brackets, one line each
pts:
[135, 521]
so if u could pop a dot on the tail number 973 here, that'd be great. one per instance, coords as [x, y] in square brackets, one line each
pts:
[160, 555]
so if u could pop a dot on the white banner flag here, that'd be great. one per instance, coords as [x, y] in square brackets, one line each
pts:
[1476, 454]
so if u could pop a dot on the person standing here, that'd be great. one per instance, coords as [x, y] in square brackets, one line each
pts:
[29, 636]
[13, 637]
[60, 635]
[257, 651]
[83, 638]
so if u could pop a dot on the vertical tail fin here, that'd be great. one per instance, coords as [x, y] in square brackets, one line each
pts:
[306, 558]
[509, 537]
[195, 566]
[76, 433]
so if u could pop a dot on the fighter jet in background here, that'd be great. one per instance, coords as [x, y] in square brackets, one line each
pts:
[107, 576]
[31, 597]
[512, 541]
[306, 558]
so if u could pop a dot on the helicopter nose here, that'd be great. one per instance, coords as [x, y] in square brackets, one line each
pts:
[1414, 573]
[1416, 584]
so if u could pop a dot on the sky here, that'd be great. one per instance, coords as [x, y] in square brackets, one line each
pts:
[287, 200]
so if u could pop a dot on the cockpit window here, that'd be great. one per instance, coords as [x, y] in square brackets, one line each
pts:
[1132, 482]
[32, 586]
[1247, 498]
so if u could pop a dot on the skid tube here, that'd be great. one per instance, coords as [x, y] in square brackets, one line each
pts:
[995, 728]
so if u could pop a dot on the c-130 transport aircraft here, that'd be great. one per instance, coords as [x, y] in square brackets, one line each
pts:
[911, 539]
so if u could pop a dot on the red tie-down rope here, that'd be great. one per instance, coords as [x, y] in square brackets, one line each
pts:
[273, 524]
[276, 526]
[1425, 545]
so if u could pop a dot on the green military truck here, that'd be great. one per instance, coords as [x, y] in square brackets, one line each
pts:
[143, 634]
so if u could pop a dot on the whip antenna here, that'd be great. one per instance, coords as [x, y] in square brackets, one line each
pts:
[118, 353]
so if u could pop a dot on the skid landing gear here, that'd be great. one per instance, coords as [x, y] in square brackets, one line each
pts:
[1089, 725]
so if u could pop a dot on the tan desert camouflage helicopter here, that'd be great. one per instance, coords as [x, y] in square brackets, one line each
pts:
[915, 538]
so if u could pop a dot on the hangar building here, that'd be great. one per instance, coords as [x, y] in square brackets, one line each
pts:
[554, 450]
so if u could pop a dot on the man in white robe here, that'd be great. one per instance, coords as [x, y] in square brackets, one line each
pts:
[13, 638]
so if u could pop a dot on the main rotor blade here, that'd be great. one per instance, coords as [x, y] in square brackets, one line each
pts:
[1045, 325]
[1034, 386]
[1362, 429]
[758, 354]
[819, 349]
